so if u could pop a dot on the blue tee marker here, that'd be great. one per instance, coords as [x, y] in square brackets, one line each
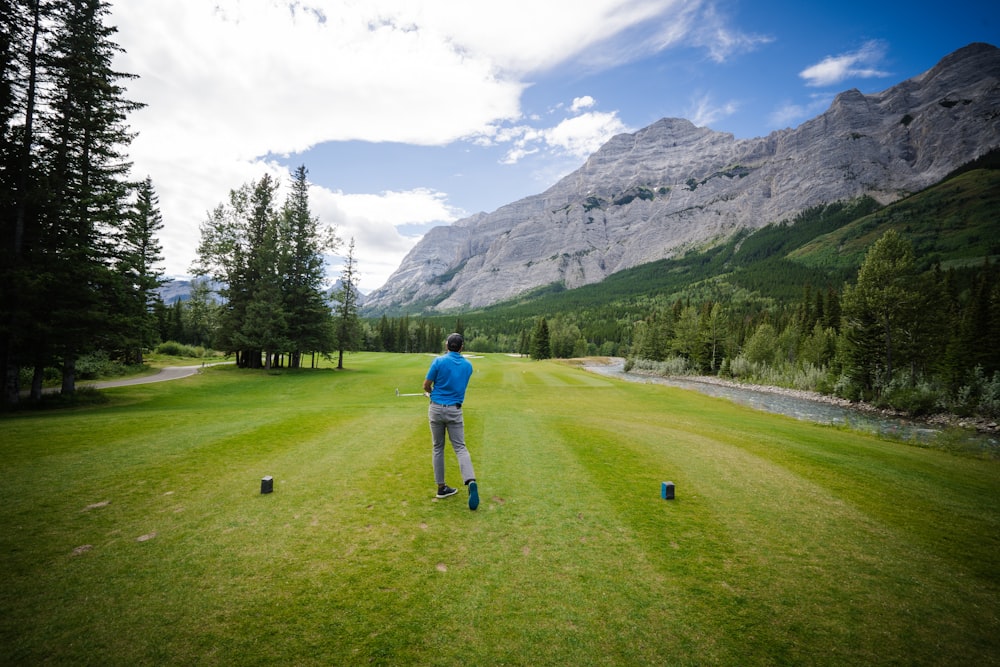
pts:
[667, 490]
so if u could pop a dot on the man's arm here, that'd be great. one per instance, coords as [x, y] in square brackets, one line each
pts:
[428, 385]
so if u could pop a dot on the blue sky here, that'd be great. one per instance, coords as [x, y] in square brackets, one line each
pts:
[411, 114]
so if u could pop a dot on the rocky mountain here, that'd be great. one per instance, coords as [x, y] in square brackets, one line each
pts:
[671, 186]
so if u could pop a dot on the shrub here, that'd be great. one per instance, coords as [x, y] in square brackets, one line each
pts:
[846, 387]
[981, 396]
[989, 401]
[97, 365]
[810, 377]
[915, 399]
[174, 349]
[672, 366]
[742, 368]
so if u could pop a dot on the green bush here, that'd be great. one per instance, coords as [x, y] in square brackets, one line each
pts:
[98, 365]
[672, 366]
[989, 401]
[174, 349]
[915, 399]
[981, 396]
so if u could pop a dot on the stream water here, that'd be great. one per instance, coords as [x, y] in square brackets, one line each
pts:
[809, 409]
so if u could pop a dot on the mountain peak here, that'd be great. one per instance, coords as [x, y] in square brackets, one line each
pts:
[650, 194]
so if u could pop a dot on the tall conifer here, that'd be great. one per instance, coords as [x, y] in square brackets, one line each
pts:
[347, 330]
[302, 272]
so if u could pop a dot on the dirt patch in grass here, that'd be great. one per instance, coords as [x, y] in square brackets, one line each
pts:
[94, 506]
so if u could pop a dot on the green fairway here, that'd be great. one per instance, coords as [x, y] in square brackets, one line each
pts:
[135, 533]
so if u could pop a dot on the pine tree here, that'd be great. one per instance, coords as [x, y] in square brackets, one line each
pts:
[264, 328]
[713, 326]
[139, 254]
[240, 249]
[202, 315]
[879, 307]
[540, 348]
[222, 259]
[386, 332]
[83, 141]
[831, 310]
[19, 47]
[347, 330]
[302, 273]
[688, 340]
[524, 343]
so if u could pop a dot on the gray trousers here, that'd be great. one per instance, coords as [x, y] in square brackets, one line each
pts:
[449, 418]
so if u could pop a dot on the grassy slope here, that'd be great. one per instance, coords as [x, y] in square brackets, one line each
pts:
[954, 222]
[787, 543]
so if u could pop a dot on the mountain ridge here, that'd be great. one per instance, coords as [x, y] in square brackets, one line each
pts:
[670, 186]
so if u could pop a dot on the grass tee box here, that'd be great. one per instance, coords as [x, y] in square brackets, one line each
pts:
[135, 532]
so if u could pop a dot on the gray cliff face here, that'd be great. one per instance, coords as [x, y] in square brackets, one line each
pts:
[670, 186]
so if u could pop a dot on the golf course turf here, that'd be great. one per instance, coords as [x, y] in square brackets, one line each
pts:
[135, 533]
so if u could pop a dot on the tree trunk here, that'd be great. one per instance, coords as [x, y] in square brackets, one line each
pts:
[36, 382]
[887, 323]
[69, 375]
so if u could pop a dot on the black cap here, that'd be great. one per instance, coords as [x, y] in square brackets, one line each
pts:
[455, 342]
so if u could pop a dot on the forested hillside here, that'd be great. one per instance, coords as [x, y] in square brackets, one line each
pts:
[892, 304]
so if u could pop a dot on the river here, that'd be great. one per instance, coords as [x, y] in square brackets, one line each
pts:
[805, 406]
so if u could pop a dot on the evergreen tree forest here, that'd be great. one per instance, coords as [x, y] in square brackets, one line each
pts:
[79, 252]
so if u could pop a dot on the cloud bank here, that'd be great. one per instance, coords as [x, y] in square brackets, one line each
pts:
[234, 84]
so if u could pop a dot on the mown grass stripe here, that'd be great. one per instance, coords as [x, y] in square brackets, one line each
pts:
[786, 543]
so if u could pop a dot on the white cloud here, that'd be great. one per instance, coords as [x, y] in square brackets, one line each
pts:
[231, 82]
[862, 63]
[704, 112]
[518, 153]
[582, 135]
[530, 36]
[374, 222]
[712, 31]
[577, 136]
[581, 103]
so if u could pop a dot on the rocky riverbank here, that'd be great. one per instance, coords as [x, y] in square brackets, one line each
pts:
[939, 420]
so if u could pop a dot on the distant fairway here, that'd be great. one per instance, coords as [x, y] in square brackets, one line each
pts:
[134, 533]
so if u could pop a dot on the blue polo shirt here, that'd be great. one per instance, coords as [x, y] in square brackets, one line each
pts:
[450, 374]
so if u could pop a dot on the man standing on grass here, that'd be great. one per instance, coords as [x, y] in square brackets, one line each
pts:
[446, 381]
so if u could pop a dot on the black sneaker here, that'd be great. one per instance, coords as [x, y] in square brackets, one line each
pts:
[473, 495]
[446, 491]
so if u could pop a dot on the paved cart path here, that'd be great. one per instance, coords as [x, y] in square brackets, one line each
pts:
[164, 374]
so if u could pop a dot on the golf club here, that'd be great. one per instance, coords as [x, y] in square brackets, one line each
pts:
[421, 394]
